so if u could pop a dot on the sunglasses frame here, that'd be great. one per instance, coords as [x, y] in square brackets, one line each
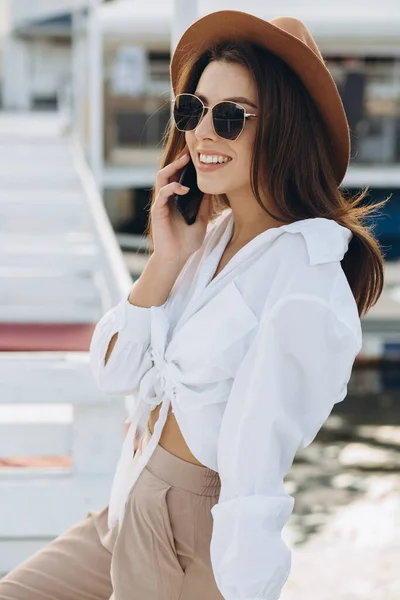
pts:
[246, 115]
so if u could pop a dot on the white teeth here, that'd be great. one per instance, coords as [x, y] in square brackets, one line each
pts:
[205, 158]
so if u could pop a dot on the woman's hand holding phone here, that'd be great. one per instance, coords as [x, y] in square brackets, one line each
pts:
[173, 240]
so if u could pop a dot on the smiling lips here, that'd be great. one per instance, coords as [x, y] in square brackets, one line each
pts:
[213, 158]
[205, 167]
[210, 161]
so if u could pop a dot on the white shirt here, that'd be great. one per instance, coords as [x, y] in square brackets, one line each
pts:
[252, 362]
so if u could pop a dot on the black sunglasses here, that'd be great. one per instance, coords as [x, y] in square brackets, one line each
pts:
[228, 117]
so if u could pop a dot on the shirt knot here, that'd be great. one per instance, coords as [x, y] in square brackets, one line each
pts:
[160, 380]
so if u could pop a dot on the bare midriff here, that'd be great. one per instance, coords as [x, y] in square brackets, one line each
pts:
[171, 438]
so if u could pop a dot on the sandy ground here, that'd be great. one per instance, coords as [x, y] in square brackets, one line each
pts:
[345, 528]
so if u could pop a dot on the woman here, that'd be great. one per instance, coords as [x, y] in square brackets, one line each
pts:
[239, 336]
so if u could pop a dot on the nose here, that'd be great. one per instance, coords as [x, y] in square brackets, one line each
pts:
[205, 128]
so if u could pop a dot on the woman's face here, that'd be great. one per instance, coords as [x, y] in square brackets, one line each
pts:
[225, 81]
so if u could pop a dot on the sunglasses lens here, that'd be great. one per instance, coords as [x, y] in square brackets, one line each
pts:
[187, 112]
[228, 120]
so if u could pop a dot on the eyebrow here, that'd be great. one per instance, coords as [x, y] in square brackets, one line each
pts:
[239, 99]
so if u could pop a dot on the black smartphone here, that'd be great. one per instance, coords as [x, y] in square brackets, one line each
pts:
[189, 204]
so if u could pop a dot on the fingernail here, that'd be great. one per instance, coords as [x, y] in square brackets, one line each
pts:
[185, 187]
[184, 156]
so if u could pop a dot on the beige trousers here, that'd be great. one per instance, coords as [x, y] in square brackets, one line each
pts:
[161, 551]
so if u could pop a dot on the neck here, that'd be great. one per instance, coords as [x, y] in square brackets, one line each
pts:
[249, 220]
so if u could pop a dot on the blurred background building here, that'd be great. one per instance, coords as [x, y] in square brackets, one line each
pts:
[36, 53]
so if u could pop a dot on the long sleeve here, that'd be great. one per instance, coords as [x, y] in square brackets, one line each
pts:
[296, 369]
[130, 358]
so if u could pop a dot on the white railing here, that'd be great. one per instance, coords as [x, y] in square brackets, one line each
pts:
[60, 265]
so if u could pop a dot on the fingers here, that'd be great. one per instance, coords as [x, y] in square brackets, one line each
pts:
[163, 176]
[166, 191]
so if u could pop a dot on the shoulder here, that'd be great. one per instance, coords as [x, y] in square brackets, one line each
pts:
[324, 239]
[316, 248]
[301, 257]
[318, 240]
[303, 266]
[309, 254]
[333, 309]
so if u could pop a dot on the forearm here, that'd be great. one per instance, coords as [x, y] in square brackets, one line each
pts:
[155, 283]
[151, 289]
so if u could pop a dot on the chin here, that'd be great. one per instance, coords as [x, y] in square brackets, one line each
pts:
[211, 189]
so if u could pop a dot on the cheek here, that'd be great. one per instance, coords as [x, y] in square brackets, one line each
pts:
[189, 139]
[244, 151]
[248, 147]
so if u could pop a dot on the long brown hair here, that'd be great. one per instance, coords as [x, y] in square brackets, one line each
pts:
[291, 162]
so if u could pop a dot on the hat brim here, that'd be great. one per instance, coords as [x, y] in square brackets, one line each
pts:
[237, 25]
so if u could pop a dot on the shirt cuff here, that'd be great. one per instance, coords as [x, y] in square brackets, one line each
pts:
[132, 322]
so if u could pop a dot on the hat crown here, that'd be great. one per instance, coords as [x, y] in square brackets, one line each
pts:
[297, 29]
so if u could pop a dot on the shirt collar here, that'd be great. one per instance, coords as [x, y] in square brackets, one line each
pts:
[326, 240]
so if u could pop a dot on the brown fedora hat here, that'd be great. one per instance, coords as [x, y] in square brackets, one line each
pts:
[289, 39]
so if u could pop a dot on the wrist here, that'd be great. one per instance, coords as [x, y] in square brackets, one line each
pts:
[173, 265]
[155, 283]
